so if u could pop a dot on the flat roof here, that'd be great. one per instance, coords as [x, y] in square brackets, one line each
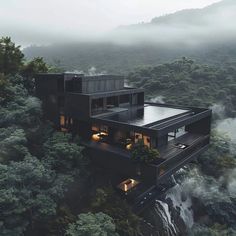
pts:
[147, 115]
[113, 76]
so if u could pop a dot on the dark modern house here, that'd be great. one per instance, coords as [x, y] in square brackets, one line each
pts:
[110, 118]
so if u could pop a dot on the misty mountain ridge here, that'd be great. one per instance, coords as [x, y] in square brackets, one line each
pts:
[206, 35]
[189, 16]
[195, 16]
[192, 26]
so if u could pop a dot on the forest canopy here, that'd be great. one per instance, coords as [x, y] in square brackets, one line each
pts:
[44, 174]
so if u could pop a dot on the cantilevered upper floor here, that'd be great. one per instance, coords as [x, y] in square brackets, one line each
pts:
[78, 83]
[77, 95]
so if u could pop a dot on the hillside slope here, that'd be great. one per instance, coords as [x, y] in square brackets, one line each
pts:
[206, 35]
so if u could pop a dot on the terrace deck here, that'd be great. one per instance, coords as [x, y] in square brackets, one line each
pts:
[189, 139]
[166, 152]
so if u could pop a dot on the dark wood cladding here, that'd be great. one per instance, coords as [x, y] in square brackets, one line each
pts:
[102, 83]
[88, 101]
[76, 105]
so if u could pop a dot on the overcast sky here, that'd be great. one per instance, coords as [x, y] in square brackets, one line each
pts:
[32, 17]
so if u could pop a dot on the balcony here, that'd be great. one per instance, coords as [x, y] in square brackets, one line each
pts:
[174, 157]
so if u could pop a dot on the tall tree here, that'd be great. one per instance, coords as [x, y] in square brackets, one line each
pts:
[98, 224]
[29, 192]
[5, 92]
[142, 153]
[12, 144]
[37, 65]
[11, 57]
[28, 71]
[63, 154]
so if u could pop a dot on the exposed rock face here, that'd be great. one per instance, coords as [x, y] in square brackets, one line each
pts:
[193, 206]
[172, 214]
[165, 219]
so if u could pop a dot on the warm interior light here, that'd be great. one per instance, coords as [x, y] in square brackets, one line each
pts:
[125, 187]
[128, 184]
[147, 141]
[129, 146]
[95, 128]
[98, 136]
[103, 133]
[62, 120]
[95, 137]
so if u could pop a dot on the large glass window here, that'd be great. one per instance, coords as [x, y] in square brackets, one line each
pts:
[176, 133]
[112, 102]
[125, 99]
[146, 139]
[65, 123]
[62, 120]
[97, 105]
[99, 133]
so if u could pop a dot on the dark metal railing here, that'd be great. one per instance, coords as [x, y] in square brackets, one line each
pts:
[167, 166]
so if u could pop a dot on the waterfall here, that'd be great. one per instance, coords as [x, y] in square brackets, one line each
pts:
[172, 213]
[162, 210]
[183, 203]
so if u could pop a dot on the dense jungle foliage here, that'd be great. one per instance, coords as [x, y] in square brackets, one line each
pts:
[47, 185]
[42, 169]
[188, 83]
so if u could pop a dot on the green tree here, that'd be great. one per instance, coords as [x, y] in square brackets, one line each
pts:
[200, 84]
[30, 69]
[107, 201]
[5, 94]
[19, 108]
[215, 230]
[218, 159]
[63, 154]
[11, 57]
[37, 65]
[29, 193]
[142, 153]
[12, 144]
[98, 224]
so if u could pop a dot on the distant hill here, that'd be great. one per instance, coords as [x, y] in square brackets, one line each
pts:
[207, 35]
[193, 26]
[193, 16]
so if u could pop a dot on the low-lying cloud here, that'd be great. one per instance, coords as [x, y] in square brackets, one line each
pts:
[190, 28]
[228, 127]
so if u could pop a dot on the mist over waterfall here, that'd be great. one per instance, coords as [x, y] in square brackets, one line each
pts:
[172, 214]
[196, 200]
[228, 126]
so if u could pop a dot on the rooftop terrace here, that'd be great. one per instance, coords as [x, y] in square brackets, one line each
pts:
[147, 116]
